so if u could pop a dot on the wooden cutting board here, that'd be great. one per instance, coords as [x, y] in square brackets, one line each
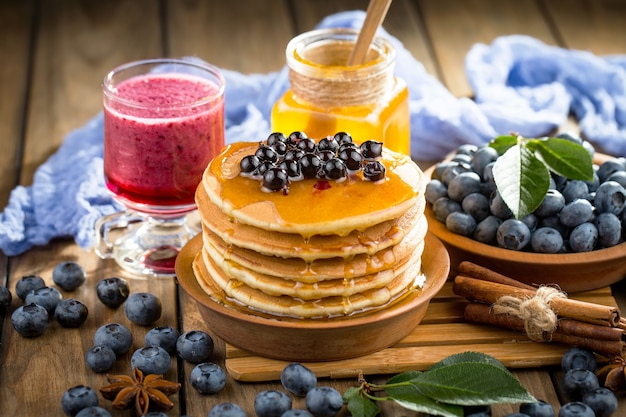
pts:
[441, 333]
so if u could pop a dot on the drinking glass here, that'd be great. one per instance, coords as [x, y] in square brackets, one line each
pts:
[163, 123]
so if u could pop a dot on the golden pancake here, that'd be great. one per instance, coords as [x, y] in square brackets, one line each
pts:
[312, 207]
[320, 269]
[212, 278]
[277, 286]
[368, 241]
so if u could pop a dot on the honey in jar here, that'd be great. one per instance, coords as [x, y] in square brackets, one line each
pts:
[327, 95]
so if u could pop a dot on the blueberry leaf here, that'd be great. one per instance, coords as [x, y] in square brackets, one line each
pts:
[358, 405]
[503, 143]
[566, 158]
[411, 399]
[522, 179]
[467, 357]
[471, 383]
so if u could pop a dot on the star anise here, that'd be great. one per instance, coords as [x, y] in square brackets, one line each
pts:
[613, 374]
[124, 390]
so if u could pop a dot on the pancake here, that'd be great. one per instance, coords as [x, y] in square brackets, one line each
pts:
[214, 282]
[368, 241]
[310, 208]
[276, 286]
[319, 269]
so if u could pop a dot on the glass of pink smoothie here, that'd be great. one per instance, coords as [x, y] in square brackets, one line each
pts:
[163, 123]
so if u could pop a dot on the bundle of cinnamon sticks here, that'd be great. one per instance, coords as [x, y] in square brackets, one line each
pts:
[593, 326]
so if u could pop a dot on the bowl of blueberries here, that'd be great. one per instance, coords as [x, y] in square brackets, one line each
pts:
[575, 238]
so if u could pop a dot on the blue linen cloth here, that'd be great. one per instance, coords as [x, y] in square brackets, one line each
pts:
[521, 85]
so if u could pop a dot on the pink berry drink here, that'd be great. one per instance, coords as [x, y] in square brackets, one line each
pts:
[160, 132]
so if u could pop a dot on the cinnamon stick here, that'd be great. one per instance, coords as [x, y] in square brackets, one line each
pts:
[489, 293]
[482, 313]
[473, 270]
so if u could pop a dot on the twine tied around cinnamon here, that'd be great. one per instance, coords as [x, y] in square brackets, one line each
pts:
[538, 317]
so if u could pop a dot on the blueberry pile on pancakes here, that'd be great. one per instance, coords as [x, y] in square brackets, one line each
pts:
[299, 228]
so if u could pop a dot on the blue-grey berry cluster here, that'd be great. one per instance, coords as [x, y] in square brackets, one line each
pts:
[574, 216]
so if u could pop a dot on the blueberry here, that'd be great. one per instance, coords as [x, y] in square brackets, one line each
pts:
[114, 335]
[30, 320]
[335, 169]
[327, 144]
[577, 212]
[602, 401]
[310, 165]
[570, 137]
[324, 401]
[513, 234]
[297, 379]
[155, 414]
[151, 360]
[326, 156]
[551, 204]
[295, 137]
[578, 358]
[249, 164]
[112, 292]
[5, 298]
[517, 415]
[435, 189]
[583, 238]
[164, 337]
[342, 138]
[27, 284]
[555, 223]
[531, 221]
[466, 149]
[275, 179]
[477, 411]
[226, 410]
[610, 198]
[70, 313]
[292, 168]
[498, 207]
[537, 409]
[271, 403]
[194, 346]
[462, 185]
[143, 308]
[461, 223]
[100, 358]
[576, 409]
[489, 183]
[276, 137]
[575, 189]
[487, 229]
[77, 398]
[374, 171]
[619, 177]
[440, 168]
[47, 297]
[69, 275]
[609, 229]
[93, 411]
[266, 153]
[453, 170]
[461, 157]
[593, 185]
[483, 156]
[306, 145]
[351, 157]
[207, 378]
[297, 413]
[443, 207]
[577, 382]
[546, 240]
[476, 205]
[371, 149]
[608, 168]
[293, 155]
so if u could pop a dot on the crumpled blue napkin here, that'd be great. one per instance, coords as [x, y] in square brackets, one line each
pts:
[521, 85]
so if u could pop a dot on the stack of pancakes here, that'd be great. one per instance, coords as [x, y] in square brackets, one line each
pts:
[324, 249]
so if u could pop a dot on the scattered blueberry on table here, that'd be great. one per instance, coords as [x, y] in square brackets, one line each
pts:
[113, 291]
[70, 313]
[114, 335]
[143, 308]
[271, 403]
[69, 275]
[100, 358]
[30, 320]
[194, 346]
[207, 378]
[28, 283]
[151, 360]
[298, 379]
[77, 398]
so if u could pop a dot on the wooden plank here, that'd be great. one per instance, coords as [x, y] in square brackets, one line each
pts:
[16, 25]
[249, 38]
[591, 25]
[402, 21]
[454, 26]
[78, 43]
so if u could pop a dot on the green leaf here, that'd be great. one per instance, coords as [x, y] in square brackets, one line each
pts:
[522, 180]
[503, 143]
[467, 357]
[403, 377]
[358, 405]
[566, 158]
[411, 399]
[471, 383]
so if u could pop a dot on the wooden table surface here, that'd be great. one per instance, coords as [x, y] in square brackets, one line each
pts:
[54, 55]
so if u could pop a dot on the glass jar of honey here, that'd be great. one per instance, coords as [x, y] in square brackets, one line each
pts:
[327, 95]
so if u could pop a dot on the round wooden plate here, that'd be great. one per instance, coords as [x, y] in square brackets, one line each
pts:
[317, 340]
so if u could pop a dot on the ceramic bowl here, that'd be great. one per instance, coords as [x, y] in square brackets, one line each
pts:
[317, 340]
[572, 272]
